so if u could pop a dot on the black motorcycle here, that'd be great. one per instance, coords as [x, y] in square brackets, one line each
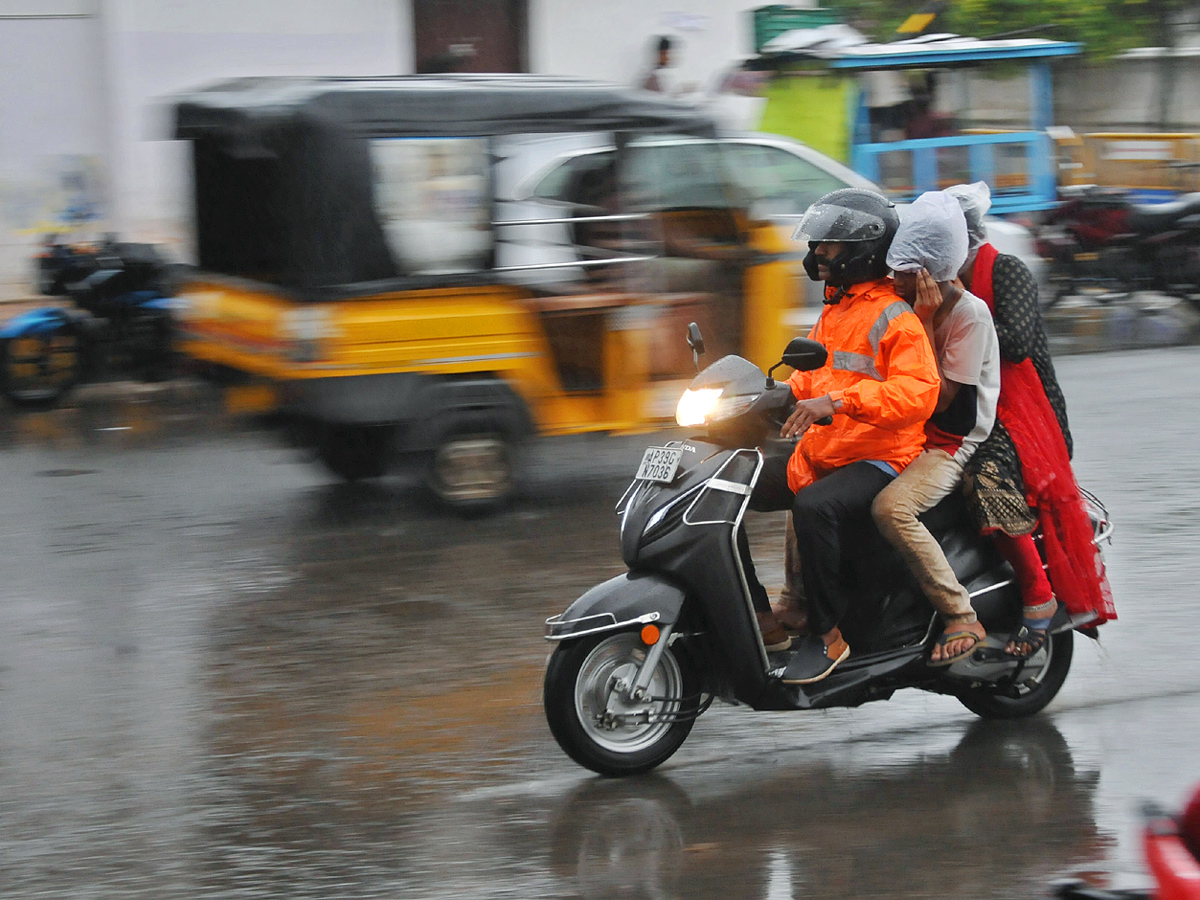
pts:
[118, 322]
[1098, 238]
[641, 656]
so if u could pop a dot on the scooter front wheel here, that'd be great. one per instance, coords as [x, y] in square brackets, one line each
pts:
[595, 720]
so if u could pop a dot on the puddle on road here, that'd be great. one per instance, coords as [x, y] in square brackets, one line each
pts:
[336, 694]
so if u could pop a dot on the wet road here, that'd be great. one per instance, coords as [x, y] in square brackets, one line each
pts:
[223, 676]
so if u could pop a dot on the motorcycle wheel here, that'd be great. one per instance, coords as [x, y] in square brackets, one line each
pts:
[1033, 695]
[37, 370]
[150, 344]
[602, 731]
[1057, 283]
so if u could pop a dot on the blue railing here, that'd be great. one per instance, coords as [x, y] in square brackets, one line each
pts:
[1018, 167]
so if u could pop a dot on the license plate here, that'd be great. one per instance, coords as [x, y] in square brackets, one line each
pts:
[659, 464]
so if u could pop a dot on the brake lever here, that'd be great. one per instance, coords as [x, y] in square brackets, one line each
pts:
[824, 420]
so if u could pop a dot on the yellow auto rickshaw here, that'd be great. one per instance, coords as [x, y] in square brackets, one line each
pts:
[406, 265]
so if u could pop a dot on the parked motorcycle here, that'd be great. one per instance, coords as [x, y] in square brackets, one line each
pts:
[118, 322]
[641, 656]
[1099, 238]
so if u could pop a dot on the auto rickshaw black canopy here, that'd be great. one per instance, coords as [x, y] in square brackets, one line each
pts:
[282, 168]
[257, 112]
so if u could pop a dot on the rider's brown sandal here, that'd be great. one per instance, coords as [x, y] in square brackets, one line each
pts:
[956, 636]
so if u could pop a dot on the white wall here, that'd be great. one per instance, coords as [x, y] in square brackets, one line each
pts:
[1130, 96]
[51, 125]
[612, 40]
[108, 98]
[1119, 95]
[155, 49]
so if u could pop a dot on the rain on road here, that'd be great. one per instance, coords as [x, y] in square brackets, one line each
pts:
[223, 676]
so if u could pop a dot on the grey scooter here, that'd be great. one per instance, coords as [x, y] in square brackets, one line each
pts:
[641, 656]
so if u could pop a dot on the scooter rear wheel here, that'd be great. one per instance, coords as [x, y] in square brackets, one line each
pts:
[1030, 697]
[600, 728]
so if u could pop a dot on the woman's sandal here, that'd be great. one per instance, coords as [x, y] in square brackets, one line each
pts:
[1035, 638]
[956, 636]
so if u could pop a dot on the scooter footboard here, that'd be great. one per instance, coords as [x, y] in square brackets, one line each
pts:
[621, 602]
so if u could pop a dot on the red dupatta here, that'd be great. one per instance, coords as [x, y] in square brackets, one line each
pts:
[1073, 561]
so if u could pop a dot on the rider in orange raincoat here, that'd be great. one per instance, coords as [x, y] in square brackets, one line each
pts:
[878, 386]
[883, 371]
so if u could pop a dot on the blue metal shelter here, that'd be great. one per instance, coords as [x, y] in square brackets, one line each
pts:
[1018, 165]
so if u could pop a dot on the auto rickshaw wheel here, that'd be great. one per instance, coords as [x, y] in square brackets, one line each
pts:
[472, 467]
[354, 452]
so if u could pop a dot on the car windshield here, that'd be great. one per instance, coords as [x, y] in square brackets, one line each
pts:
[777, 182]
[659, 174]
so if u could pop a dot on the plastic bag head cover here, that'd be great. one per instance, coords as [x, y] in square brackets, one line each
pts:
[862, 220]
[932, 236]
[975, 200]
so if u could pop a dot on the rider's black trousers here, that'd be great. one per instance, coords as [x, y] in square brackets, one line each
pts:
[821, 513]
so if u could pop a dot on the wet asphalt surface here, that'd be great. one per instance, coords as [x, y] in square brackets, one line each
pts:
[223, 675]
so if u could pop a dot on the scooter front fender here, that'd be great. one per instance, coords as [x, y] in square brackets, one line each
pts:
[628, 600]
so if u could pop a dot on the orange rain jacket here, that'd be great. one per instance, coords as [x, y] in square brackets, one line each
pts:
[882, 368]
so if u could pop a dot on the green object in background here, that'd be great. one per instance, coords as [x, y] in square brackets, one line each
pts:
[814, 109]
[772, 21]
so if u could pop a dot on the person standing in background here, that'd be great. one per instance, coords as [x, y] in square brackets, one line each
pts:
[659, 77]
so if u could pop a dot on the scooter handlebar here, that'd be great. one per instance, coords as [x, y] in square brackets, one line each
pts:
[789, 408]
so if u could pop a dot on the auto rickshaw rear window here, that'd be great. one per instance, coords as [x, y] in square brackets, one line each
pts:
[432, 198]
[238, 210]
[302, 217]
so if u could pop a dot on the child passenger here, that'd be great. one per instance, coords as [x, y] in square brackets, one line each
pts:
[926, 255]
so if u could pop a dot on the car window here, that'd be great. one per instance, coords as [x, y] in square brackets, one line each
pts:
[679, 174]
[776, 182]
[658, 174]
[580, 180]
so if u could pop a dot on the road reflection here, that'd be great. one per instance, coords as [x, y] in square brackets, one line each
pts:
[224, 676]
[1005, 805]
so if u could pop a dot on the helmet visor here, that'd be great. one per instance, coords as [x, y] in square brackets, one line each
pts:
[833, 222]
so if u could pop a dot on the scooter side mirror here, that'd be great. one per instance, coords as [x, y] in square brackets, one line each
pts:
[696, 342]
[804, 355]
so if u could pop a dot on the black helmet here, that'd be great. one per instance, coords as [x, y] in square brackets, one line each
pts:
[864, 220]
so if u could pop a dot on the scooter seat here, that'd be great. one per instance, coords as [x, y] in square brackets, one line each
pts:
[969, 555]
[1150, 217]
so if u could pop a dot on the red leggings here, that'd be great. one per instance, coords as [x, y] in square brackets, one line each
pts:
[1022, 554]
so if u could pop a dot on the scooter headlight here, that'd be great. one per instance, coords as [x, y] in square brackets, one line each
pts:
[696, 406]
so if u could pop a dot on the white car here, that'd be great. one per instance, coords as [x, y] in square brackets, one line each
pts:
[774, 178]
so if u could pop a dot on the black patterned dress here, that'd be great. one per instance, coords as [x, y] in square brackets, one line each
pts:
[992, 479]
